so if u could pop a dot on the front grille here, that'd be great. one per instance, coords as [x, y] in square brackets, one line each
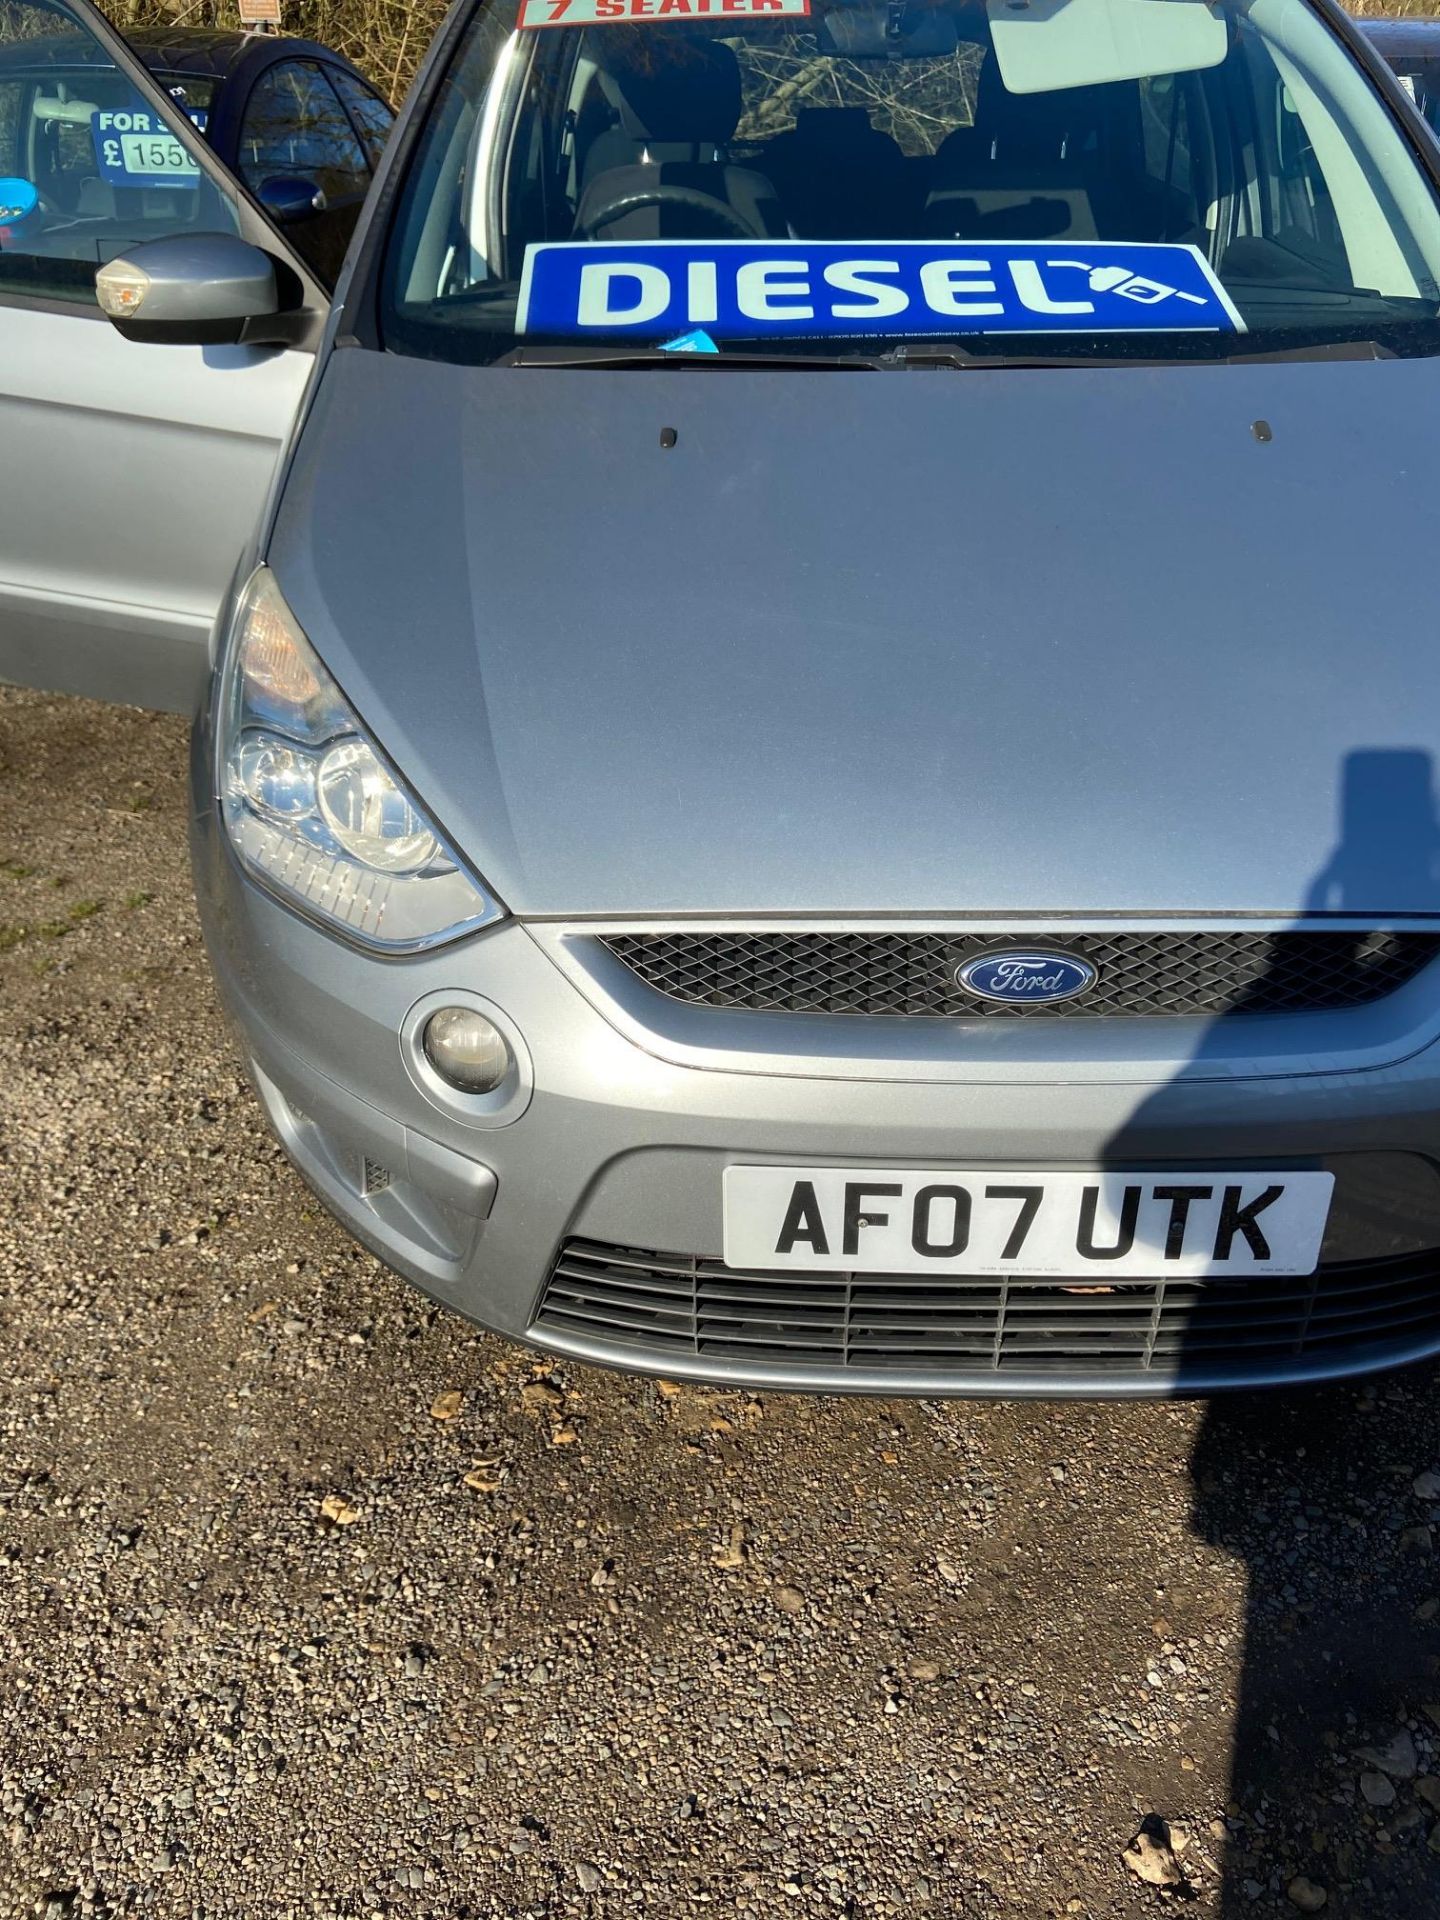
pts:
[1200, 973]
[663, 1307]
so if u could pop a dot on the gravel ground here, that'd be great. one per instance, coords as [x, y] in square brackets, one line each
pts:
[315, 1601]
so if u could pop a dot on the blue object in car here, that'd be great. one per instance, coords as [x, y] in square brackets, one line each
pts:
[19, 207]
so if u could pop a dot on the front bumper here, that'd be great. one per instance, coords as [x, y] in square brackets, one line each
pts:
[636, 1106]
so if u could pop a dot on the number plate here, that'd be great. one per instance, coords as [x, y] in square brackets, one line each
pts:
[1114, 1226]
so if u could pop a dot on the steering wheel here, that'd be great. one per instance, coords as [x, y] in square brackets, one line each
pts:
[719, 212]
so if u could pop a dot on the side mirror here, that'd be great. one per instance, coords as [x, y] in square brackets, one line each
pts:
[287, 199]
[204, 289]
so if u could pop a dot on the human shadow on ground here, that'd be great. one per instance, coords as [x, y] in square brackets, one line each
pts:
[1321, 1491]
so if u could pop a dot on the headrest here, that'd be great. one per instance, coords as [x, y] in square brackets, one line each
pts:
[672, 88]
[77, 113]
[1036, 127]
[834, 127]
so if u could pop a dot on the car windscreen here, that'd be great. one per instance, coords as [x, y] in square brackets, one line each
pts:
[836, 179]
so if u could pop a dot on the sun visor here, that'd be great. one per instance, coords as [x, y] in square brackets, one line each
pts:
[1042, 46]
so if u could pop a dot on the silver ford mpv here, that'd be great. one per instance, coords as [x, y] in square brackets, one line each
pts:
[818, 772]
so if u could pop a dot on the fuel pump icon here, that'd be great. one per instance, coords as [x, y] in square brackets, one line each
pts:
[1129, 285]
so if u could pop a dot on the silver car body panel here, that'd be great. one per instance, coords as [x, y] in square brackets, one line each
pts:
[1070, 684]
[1108, 654]
[620, 1144]
[135, 475]
[161, 457]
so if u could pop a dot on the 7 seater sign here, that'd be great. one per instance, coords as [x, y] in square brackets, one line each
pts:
[775, 289]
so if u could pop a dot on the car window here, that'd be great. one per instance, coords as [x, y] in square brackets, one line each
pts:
[963, 168]
[295, 127]
[369, 112]
[193, 93]
[1166, 117]
[88, 165]
[1427, 92]
[1416, 67]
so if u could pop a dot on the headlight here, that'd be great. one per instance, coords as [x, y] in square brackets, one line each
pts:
[311, 807]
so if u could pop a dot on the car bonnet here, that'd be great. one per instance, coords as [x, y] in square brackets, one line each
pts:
[1072, 641]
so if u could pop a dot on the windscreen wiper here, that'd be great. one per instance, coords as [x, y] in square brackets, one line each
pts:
[639, 356]
[952, 355]
[896, 359]
[1239, 350]
[1241, 355]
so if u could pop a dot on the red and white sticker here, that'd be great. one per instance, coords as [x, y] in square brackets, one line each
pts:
[604, 13]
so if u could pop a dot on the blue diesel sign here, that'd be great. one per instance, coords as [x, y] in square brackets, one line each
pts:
[800, 289]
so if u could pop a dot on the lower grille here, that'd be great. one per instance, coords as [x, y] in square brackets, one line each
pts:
[668, 1306]
[1195, 973]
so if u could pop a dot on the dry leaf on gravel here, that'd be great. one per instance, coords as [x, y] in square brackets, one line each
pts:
[541, 1394]
[445, 1406]
[1151, 1858]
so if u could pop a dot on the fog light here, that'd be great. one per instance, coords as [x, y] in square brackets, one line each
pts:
[466, 1050]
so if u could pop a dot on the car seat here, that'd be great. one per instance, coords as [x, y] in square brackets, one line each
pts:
[837, 175]
[677, 101]
[1036, 166]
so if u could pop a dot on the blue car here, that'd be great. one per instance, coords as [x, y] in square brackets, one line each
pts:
[1412, 49]
[297, 124]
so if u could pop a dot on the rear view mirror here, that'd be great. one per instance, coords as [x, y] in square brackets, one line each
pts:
[287, 199]
[889, 32]
[204, 289]
[1042, 46]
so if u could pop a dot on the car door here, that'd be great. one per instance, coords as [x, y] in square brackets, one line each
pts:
[295, 131]
[133, 475]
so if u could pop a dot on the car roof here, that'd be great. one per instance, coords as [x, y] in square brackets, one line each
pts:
[215, 51]
[218, 50]
[1404, 38]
